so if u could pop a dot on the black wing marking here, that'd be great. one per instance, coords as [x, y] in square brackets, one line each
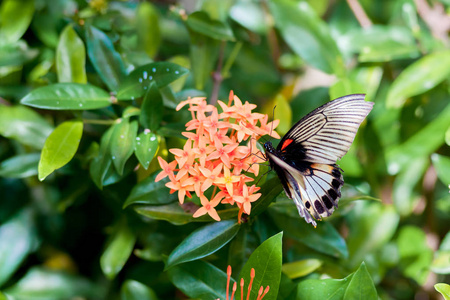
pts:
[325, 134]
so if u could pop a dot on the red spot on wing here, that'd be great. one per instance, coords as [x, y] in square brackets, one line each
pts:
[286, 143]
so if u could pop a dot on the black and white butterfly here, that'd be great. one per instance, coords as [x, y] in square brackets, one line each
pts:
[305, 159]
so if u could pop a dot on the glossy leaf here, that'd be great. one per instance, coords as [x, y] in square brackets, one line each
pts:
[71, 96]
[324, 238]
[16, 54]
[423, 143]
[200, 280]
[403, 194]
[301, 268]
[415, 254]
[358, 285]
[203, 242]
[60, 147]
[269, 191]
[105, 59]
[24, 125]
[443, 289]
[152, 108]
[203, 54]
[18, 238]
[419, 77]
[371, 225]
[174, 214]
[250, 15]
[148, 31]
[20, 166]
[380, 43]
[102, 162]
[15, 18]
[307, 35]
[266, 260]
[441, 261]
[200, 22]
[53, 285]
[150, 192]
[137, 82]
[145, 147]
[134, 290]
[442, 165]
[122, 142]
[118, 251]
[70, 57]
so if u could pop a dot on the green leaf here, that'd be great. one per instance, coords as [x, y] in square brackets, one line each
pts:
[346, 86]
[72, 96]
[307, 35]
[60, 147]
[70, 57]
[40, 283]
[358, 285]
[203, 242]
[250, 15]
[269, 191]
[105, 59]
[442, 165]
[403, 194]
[18, 238]
[16, 54]
[380, 43]
[415, 255]
[301, 268]
[419, 77]
[324, 238]
[102, 162]
[145, 147]
[20, 166]
[24, 125]
[152, 109]
[147, 26]
[174, 214]
[150, 192]
[200, 280]
[371, 225]
[441, 261]
[15, 17]
[200, 22]
[266, 260]
[203, 54]
[134, 290]
[138, 81]
[122, 142]
[361, 285]
[443, 289]
[426, 141]
[118, 251]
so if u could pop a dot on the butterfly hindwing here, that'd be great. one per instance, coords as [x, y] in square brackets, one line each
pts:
[305, 159]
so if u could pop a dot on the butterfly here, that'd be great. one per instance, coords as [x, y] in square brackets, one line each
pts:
[305, 159]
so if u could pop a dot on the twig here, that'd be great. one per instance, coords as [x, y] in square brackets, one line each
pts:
[435, 18]
[217, 75]
[359, 13]
[99, 122]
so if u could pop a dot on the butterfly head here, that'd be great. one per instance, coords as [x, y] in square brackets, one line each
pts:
[269, 147]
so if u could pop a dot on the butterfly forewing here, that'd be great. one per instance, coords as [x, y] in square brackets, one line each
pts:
[326, 133]
[305, 159]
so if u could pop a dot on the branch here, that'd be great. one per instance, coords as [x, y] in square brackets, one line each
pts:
[217, 76]
[359, 13]
[435, 18]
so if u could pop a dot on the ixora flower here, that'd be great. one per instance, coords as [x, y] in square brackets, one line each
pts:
[261, 293]
[220, 149]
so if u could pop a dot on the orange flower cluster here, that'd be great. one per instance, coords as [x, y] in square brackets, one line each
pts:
[220, 148]
[261, 292]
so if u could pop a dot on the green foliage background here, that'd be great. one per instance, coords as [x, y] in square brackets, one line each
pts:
[87, 94]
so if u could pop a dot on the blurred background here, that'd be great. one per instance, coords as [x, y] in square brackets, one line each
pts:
[70, 236]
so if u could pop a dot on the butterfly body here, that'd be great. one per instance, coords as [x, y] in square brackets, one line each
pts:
[305, 159]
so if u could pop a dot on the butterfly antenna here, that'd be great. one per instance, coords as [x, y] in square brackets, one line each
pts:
[273, 118]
